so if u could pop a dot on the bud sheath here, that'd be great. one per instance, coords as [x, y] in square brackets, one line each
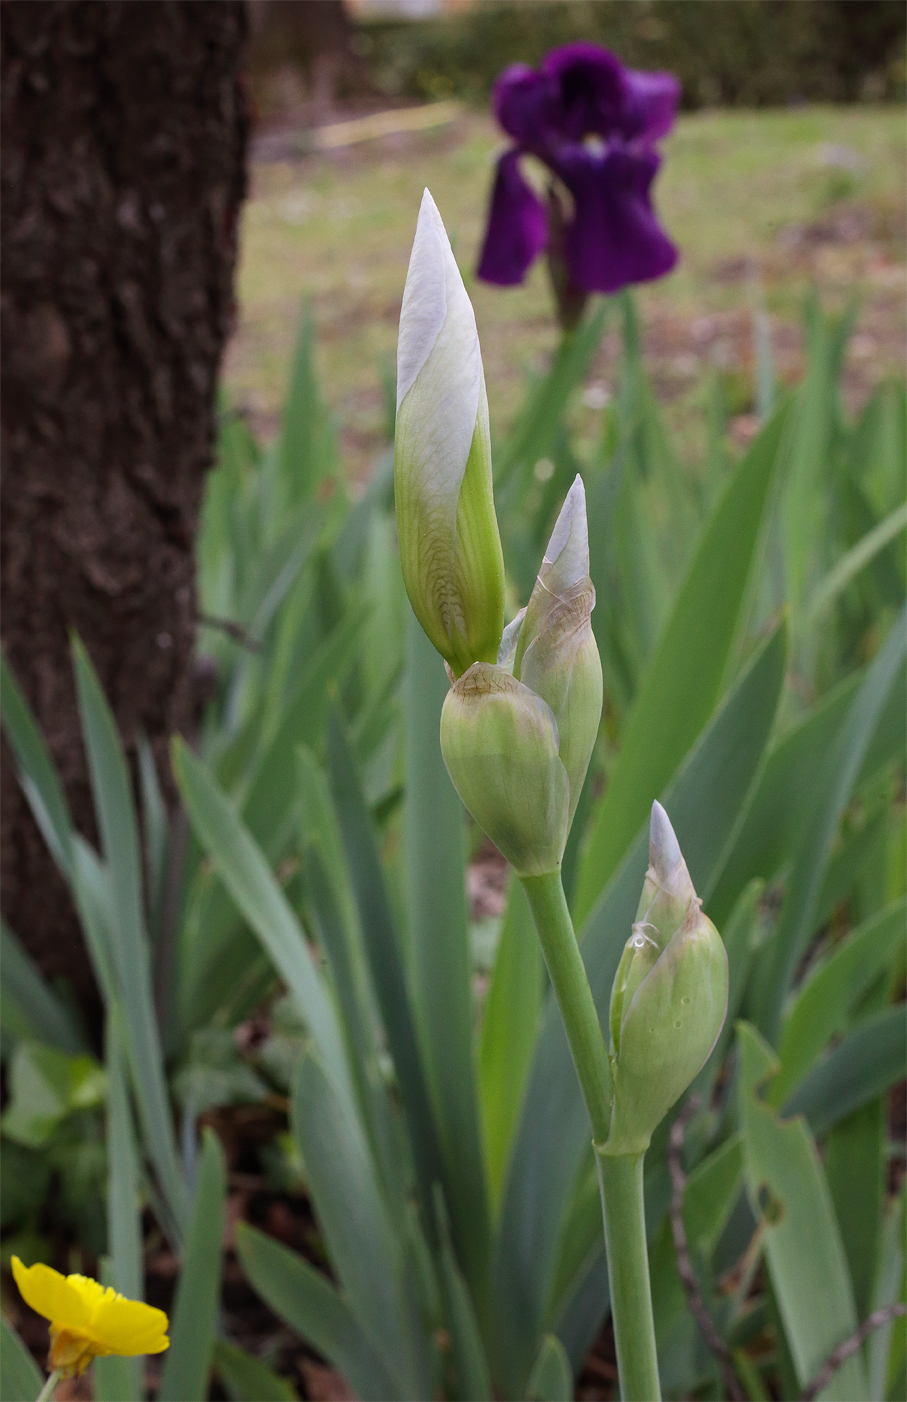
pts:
[669, 999]
[450, 549]
[500, 745]
[556, 653]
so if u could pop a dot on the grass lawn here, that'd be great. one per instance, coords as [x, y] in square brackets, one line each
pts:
[762, 204]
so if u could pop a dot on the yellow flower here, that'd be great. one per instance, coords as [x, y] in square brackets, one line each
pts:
[87, 1321]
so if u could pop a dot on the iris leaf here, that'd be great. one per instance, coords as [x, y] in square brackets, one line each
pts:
[19, 1375]
[787, 1187]
[187, 1362]
[37, 772]
[833, 789]
[551, 1379]
[864, 1064]
[248, 1379]
[832, 989]
[364, 1248]
[383, 948]
[509, 1029]
[30, 1007]
[126, 934]
[254, 888]
[310, 1304]
[435, 886]
[684, 678]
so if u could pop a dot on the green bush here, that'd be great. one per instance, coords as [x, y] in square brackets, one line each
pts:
[739, 52]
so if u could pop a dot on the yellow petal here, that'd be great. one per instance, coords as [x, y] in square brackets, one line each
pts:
[87, 1320]
[53, 1295]
[129, 1327]
[90, 1290]
[71, 1351]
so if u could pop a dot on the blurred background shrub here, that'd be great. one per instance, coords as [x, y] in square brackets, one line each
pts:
[747, 53]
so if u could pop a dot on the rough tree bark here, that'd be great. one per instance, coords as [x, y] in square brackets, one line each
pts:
[123, 170]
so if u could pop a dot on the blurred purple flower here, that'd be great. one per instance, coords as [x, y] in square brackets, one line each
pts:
[593, 123]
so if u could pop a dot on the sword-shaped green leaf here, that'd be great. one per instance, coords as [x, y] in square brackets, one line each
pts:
[551, 1379]
[37, 772]
[126, 933]
[832, 989]
[365, 1249]
[509, 1029]
[834, 786]
[19, 1374]
[30, 1007]
[187, 1362]
[383, 948]
[247, 1379]
[308, 1302]
[120, 1379]
[788, 1189]
[435, 886]
[684, 679]
[863, 1065]
[254, 888]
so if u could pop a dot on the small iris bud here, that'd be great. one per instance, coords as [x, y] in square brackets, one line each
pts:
[556, 654]
[517, 737]
[668, 890]
[500, 744]
[669, 998]
[450, 549]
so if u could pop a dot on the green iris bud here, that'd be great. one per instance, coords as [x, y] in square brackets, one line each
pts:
[500, 745]
[517, 737]
[669, 998]
[556, 654]
[450, 549]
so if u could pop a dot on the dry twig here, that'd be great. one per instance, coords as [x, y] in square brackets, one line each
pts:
[681, 1246]
[233, 630]
[697, 1305]
[844, 1351]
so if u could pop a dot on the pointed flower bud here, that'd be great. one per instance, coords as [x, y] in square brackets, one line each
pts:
[556, 654]
[669, 999]
[500, 744]
[668, 890]
[517, 737]
[450, 549]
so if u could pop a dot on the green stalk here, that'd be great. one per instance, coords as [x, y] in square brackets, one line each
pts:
[574, 996]
[619, 1176]
[47, 1390]
[620, 1180]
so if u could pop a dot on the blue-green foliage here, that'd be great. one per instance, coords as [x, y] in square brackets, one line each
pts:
[752, 632]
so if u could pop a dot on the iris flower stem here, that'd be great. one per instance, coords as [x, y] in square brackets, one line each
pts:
[47, 1390]
[574, 996]
[620, 1180]
[619, 1176]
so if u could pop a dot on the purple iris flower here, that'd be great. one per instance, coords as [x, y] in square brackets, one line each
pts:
[593, 123]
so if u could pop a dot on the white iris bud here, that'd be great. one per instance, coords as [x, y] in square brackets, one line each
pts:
[450, 549]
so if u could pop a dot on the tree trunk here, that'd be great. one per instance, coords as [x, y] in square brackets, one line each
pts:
[123, 170]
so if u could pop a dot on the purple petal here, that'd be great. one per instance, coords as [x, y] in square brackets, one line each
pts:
[517, 226]
[615, 238]
[522, 99]
[650, 104]
[590, 91]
